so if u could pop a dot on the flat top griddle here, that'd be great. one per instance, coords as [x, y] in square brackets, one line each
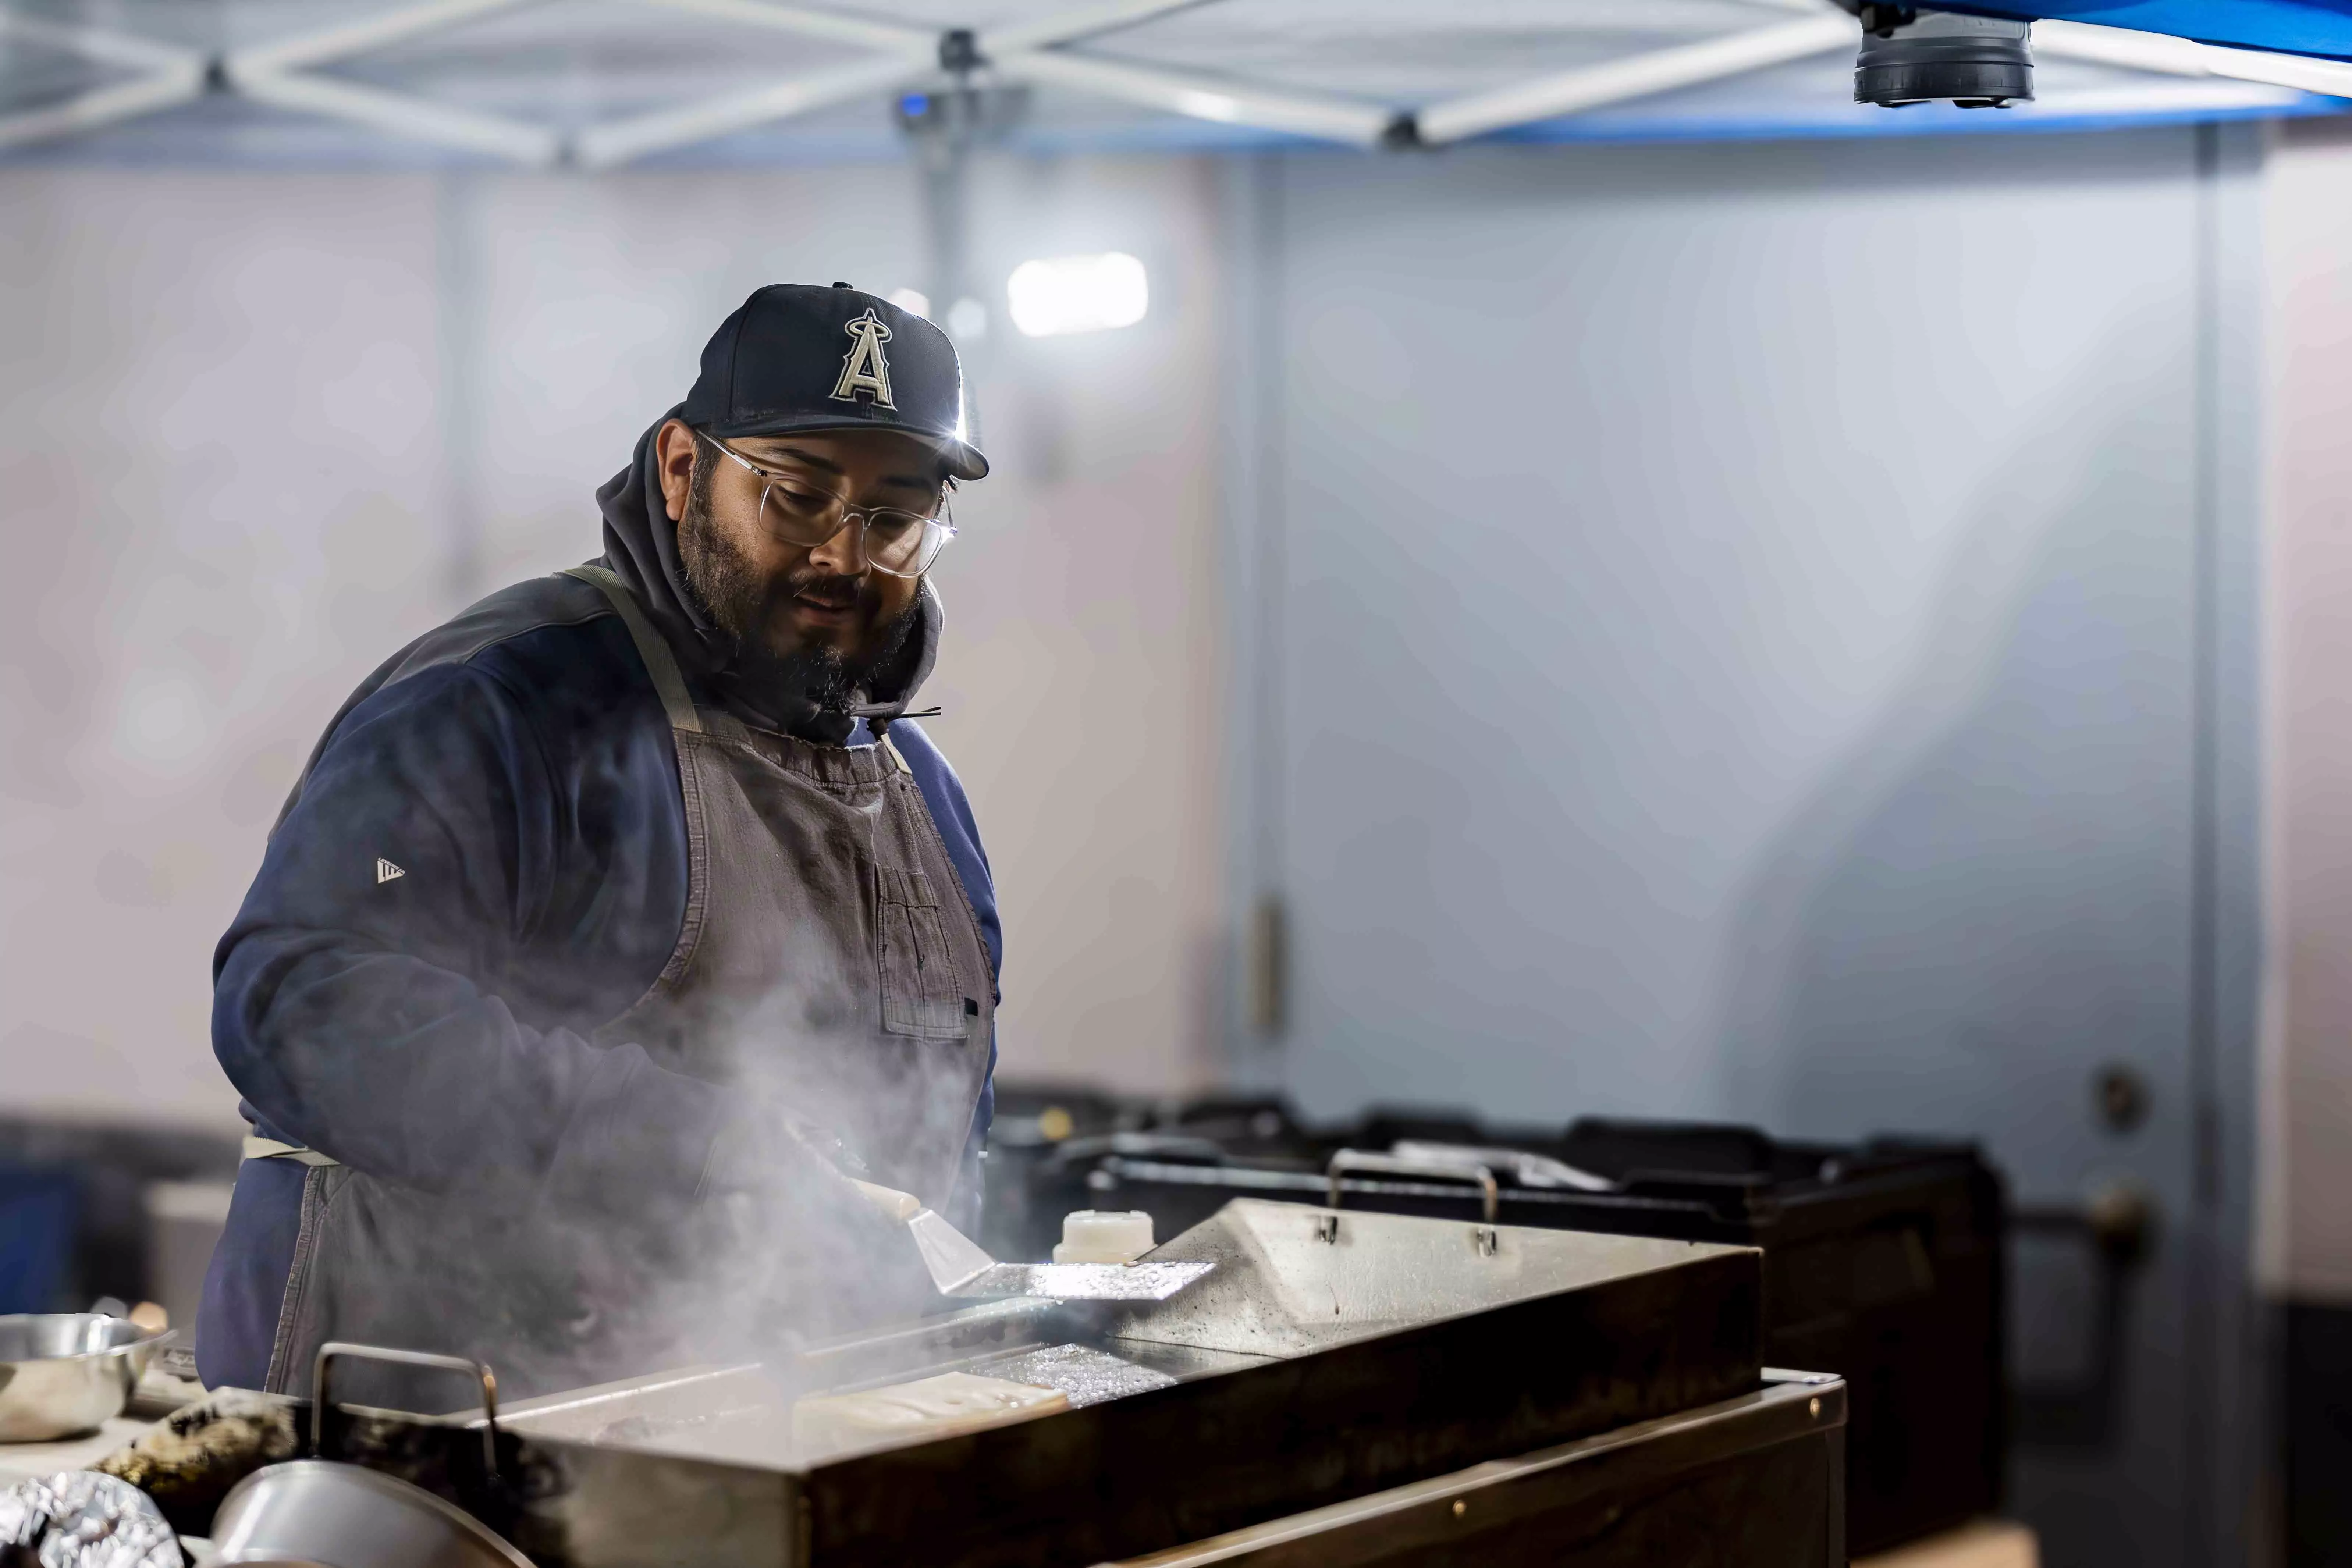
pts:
[1331, 1354]
[1286, 1282]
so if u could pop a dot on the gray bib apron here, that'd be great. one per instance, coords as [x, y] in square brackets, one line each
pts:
[829, 967]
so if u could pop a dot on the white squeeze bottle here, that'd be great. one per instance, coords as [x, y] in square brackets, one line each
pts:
[1104, 1236]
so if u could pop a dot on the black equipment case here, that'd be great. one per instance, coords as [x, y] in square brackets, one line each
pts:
[1883, 1261]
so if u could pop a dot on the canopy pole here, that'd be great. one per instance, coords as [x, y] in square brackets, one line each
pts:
[1027, 50]
[1638, 76]
[2169, 55]
[170, 78]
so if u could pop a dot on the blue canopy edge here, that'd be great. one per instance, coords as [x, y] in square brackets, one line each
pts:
[2322, 28]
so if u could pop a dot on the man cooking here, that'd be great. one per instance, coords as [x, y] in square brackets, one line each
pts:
[616, 921]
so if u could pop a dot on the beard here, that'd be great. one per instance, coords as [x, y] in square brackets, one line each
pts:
[751, 610]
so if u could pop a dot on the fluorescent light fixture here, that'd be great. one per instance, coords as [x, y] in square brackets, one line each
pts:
[914, 301]
[1061, 294]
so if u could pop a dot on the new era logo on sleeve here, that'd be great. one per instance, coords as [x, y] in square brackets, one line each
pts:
[385, 870]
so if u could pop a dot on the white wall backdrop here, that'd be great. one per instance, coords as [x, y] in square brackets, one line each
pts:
[257, 430]
[2308, 1250]
[224, 500]
[1764, 634]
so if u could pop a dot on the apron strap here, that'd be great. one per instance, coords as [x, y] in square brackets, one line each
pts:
[660, 663]
[891, 752]
[256, 1147]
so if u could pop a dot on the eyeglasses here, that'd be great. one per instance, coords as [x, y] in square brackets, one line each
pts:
[895, 543]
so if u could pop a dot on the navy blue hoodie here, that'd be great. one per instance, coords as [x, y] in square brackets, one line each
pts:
[524, 785]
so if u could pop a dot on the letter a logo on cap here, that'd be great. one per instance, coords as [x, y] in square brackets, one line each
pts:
[863, 368]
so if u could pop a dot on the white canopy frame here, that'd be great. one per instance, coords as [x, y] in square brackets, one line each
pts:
[168, 77]
[283, 73]
[2180, 57]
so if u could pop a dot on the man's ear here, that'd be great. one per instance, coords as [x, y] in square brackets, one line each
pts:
[674, 446]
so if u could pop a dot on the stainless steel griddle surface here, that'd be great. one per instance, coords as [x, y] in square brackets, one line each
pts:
[1328, 1354]
[1286, 1282]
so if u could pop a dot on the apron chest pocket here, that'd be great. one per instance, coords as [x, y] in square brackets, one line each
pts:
[922, 995]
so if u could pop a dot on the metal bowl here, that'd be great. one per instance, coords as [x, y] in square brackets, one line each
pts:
[66, 1372]
[319, 1514]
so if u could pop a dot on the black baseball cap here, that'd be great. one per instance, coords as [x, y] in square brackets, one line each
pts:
[797, 356]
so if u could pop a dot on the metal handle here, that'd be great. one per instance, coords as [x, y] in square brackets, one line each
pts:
[2118, 1218]
[1365, 1162]
[893, 1203]
[1149, 1145]
[1529, 1169]
[2118, 1223]
[479, 1369]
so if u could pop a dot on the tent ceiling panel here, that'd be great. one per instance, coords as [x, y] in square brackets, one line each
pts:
[1406, 52]
[940, 16]
[604, 82]
[581, 62]
[41, 72]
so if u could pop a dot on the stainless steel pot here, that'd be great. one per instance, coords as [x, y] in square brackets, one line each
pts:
[317, 1513]
[320, 1514]
[63, 1373]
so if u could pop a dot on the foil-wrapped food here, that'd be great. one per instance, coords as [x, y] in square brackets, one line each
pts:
[79, 1519]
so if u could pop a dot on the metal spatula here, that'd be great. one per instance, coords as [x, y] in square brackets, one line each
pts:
[959, 1267]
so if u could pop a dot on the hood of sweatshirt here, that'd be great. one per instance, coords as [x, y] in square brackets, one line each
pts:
[641, 549]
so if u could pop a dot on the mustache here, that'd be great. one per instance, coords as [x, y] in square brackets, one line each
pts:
[831, 589]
